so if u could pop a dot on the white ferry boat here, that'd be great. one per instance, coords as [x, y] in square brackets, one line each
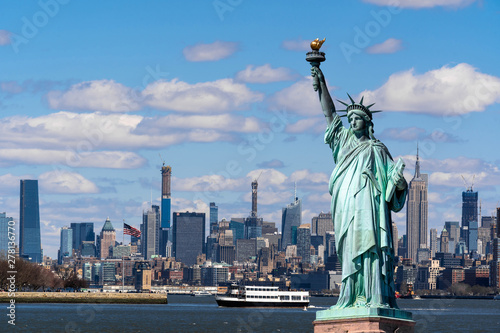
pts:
[201, 293]
[262, 296]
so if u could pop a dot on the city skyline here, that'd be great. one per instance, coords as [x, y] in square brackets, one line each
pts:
[91, 95]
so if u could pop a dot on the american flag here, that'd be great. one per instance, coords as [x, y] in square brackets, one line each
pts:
[129, 230]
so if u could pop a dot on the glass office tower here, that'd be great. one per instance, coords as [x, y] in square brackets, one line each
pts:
[30, 246]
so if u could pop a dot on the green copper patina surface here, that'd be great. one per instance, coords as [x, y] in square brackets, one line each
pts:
[366, 185]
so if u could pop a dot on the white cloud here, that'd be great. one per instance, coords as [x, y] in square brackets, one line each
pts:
[313, 124]
[451, 172]
[417, 4]
[305, 179]
[85, 139]
[299, 98]
[217, 96]
[297, 45]
[264, 74]
[391, 45]
[459, 164]
[10, 183]
[185, 205]
[270, 180]
[107, 95]
[4, 37]
[222, 122]
[267, 177]
[440, 198]
[70, 157]
[210, 52]
[455, 179]
[445, 91]
[99, 95]
[208, 183]
[62, 181]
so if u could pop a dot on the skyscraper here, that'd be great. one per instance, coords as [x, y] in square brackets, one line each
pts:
[253, 224]
[30, 246]
[66, 244]
[150, 236]
[304, 242]
[321, 224]
[166, 175]
[189, 236]
[5, 223]
[453, 228]
[291, 217]
[445, 236]
[433, 242]
[82, 232]
[416, 212]
[106, 239]
[214, 218]
[472, 236]
[469, 214]
[254, 198]
[395, 238]
[164, 232]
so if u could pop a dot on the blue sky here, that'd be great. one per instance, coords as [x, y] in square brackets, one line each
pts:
[91, 93]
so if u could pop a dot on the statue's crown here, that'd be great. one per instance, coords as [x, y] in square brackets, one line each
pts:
[358, 106]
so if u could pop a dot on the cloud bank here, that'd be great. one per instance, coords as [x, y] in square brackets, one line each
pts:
[264, 74]
[446, 91]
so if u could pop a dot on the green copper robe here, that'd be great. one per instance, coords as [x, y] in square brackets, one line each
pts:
[361, 213]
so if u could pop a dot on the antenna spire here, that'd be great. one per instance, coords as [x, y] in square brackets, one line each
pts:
[417, 165]
[294, 191]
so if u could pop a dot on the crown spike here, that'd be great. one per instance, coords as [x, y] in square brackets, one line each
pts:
[352, 101]
[361, 101]
[369, 106]
[343, 102]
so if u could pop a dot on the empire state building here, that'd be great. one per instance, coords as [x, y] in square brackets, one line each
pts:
[417, 213]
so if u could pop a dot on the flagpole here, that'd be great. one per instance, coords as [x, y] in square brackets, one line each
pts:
[123, 262]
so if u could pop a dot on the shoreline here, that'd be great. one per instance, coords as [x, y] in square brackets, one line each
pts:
[457, 297]
[82, 297]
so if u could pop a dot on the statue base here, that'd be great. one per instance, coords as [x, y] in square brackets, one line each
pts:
[363, 320]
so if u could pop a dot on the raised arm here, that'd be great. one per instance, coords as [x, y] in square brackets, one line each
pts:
[325, 99]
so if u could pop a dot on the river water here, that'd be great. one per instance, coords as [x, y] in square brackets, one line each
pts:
[201, 314]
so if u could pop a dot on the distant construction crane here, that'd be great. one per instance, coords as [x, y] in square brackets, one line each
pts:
[467, 188]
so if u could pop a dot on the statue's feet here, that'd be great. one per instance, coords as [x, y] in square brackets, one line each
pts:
[360, 302]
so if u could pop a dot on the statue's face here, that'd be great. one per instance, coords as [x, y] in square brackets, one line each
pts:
[357, 123]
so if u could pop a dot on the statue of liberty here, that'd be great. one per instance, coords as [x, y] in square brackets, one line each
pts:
[366, 185]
